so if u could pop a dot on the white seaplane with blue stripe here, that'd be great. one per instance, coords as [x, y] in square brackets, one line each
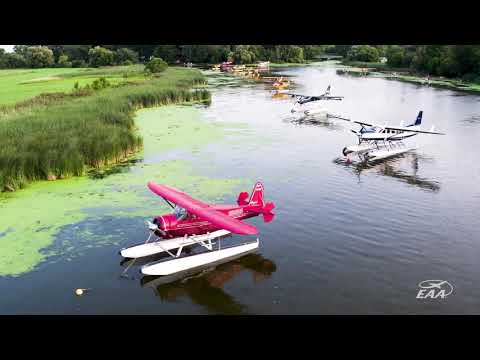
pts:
[378, 142]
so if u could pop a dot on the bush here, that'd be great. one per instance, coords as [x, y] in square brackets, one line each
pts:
[99, 56]
[100, 83]
[156, 65]
[39, 57]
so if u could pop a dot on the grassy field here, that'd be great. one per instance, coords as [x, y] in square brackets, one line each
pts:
[21, 84]
[66, 138]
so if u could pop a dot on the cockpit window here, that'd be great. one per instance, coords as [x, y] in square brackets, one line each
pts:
[180, 213]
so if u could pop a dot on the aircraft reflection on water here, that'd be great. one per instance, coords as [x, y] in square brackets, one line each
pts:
[314, 121]
[393, 167]
[206, 288]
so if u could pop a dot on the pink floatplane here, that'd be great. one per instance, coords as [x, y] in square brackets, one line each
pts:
[194, 222]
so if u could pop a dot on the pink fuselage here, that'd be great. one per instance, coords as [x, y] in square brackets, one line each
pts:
[193, 225]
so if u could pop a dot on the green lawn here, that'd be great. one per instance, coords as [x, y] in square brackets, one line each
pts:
[21, 84]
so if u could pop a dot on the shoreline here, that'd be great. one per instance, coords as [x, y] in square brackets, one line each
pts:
[406, 75]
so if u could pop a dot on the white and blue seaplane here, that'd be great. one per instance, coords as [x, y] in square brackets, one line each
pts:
[310, 105]
[377, 142]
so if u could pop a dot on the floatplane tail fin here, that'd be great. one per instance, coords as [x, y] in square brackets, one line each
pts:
[256, 202]
[418, 120]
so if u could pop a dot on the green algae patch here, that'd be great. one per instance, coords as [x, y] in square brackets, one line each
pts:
[31, 219]
[174, 127]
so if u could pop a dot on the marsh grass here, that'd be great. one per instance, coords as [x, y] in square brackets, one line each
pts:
[73, 135]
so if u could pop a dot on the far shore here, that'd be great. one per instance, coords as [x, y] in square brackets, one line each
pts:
[407, 75]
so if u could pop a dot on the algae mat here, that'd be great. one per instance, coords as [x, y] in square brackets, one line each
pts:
[32, 218]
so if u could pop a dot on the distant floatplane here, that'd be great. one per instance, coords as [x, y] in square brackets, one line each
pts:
[310, 105]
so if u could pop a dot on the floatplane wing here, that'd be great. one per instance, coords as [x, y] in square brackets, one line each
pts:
[355, 121]
[202, 210]
[411, 128]
[398, 128]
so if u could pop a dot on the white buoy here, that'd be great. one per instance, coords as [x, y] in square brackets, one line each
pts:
[80, 292]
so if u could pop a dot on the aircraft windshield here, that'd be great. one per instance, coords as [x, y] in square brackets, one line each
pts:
[180, 213]
[368, 130]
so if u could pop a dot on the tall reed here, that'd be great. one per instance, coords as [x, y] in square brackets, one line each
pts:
[64, 139]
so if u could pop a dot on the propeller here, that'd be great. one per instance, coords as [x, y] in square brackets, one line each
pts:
[153, 227]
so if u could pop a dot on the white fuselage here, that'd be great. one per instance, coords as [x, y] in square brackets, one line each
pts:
[388, 134]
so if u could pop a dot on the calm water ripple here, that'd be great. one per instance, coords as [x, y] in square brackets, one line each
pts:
[346, 239]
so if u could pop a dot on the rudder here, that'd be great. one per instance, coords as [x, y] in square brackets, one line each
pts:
[256, 199]
[419, 118]
[418, 121]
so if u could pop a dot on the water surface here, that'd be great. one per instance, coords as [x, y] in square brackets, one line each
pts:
[346, 239]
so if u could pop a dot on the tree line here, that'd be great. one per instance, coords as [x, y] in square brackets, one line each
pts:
[38, 56]
[460, 61]
[45, 56]
[445, 60]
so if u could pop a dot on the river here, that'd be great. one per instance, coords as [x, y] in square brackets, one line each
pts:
[345, 239]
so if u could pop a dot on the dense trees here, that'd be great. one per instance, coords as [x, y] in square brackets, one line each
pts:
[168, 53]
[364, 53]
[39, 56]
[15, 60]
[126, 56]
[460, 61]
[27, 56]
[396, 56]
[105, 55]
[341, 50]
[63, 61]
[445, 60]
[100, 56]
